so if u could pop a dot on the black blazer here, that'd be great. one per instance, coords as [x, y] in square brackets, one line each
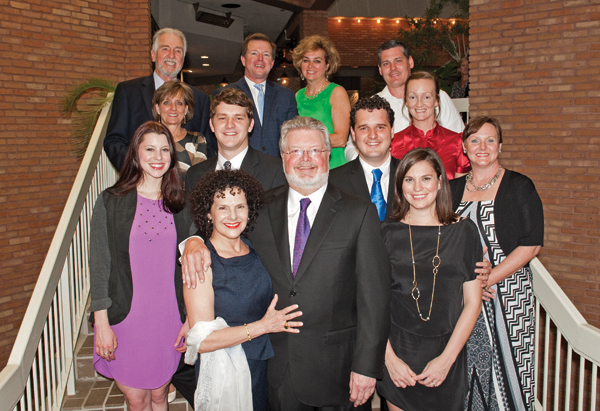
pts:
[268, 170]
[518, 210]
[111, 283]
[351, 178]
[342, 287]
[132, 106]
[280, 105]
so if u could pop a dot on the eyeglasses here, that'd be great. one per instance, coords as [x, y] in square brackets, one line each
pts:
[313, 152]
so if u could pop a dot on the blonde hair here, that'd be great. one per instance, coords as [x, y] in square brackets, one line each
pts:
[314, 43]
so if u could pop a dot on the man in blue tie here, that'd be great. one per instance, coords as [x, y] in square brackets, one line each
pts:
[273, 103]
[371, 174]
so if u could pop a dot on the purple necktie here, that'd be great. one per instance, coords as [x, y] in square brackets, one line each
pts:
[302, 232]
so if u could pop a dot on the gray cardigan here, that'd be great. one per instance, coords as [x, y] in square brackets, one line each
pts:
[111, 284]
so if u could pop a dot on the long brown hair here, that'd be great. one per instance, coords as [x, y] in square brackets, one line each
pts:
[171, 188]
[443, 201]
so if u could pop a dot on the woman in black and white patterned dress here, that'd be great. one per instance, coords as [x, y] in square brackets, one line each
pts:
[508, 212]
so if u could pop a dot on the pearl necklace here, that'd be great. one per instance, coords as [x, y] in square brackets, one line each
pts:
[436, 261]
[486, 185]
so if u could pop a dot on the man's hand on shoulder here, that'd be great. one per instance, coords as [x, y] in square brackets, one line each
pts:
[195, 260]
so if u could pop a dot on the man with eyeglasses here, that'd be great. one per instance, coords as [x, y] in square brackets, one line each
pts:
[324, 252]
[231, 120]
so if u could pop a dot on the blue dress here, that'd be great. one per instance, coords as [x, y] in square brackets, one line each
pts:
[243, 292]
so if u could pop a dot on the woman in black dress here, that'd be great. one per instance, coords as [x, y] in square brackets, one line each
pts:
[436, 298]
[236, 300]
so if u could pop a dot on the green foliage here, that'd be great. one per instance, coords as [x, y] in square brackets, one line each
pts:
[447, 74]
[426, 35]
[84, 101]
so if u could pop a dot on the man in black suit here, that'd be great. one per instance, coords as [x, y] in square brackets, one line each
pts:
[132, 103]
[327, 256]
[231, 121]
[372, 127]
[278, 102]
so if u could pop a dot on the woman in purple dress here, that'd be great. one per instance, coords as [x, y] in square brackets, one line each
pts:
[137, 294]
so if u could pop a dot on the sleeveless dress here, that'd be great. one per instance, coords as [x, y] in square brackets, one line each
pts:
[499, 351]
[243, 292]
[145, 356]
[319, 108]
[417, 342]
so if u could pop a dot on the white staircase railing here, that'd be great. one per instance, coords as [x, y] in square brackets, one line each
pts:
[567, 350]
[40, 367]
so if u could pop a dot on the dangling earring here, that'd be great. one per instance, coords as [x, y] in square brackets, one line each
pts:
[301, 76]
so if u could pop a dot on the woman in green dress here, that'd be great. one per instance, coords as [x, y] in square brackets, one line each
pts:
[316, 59]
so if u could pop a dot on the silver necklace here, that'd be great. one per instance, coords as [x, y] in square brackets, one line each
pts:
[486, 185]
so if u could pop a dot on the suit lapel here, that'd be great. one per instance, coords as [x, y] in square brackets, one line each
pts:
[243, 86]
[270, 91]
[148, 93]
[326, 215]
[357, 178]
[391, 186]
[250, 161]
[278, 214]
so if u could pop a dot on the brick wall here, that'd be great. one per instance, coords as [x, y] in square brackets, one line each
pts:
[47, 46]
[535, 66]
[358, 41]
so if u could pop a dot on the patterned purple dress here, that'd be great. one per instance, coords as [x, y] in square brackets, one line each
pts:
[145, 356]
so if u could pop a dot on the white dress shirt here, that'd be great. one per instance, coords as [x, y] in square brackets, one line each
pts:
[254, 92]
[236, 162]
[385, 176]
[157, 81]
[293, 208]
[449, 116]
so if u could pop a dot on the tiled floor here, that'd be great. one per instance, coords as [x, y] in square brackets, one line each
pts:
[93, 392]
[105, 396]
[96, 393]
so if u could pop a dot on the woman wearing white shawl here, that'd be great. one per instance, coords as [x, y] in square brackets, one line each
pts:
[237, 290]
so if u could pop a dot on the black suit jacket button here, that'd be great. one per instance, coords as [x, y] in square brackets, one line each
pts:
[264, 149]
[292, 293]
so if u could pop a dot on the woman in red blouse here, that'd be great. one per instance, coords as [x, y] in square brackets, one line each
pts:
[421, 97]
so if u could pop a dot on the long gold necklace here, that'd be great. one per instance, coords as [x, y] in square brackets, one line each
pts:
[436, 261]
[317, 93]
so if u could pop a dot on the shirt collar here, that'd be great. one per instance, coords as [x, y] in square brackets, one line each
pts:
[251, 83]
[236, 162]
[316, 197]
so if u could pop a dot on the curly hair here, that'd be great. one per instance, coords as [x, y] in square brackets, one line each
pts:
[314, 43]
[371, 103]
[171, 89]
[213, 185]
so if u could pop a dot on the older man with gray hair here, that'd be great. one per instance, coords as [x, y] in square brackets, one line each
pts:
[324, 252]
[132, 103]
